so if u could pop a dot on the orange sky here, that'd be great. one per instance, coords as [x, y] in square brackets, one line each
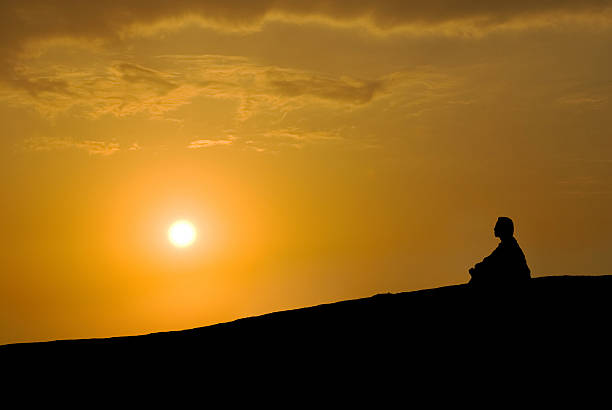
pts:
[324, 151]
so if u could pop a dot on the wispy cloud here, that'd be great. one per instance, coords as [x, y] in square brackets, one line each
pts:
[272, 140]
[583, 100]
[197, 144]
[135, 74]
[103, 148]
[294, 84]
[126, 88]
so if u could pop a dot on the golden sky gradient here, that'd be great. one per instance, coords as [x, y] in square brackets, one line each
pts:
[325, 150]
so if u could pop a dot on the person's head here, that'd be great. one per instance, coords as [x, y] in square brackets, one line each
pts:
[504, 228]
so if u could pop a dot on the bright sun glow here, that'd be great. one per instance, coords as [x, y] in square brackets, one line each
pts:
[182, 233]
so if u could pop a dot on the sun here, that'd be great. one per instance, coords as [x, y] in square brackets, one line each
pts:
[182, 233]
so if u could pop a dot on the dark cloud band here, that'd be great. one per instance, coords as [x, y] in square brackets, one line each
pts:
[23, 22]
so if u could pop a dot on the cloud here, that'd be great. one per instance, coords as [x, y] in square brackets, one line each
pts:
[135, 74]
[121, 89]
[103, 148]
[294, 137]
[272, 140]
[26, 26]
[125, 88]
[292, 84]
[23, 24]
[37, 19]
[584, 100]
[208, 143]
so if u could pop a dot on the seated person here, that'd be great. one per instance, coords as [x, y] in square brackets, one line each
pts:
[507, 264]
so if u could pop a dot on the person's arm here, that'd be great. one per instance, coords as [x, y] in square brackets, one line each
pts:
[473, 273]
[487, 264]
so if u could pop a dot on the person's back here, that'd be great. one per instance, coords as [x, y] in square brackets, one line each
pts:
[507, 264]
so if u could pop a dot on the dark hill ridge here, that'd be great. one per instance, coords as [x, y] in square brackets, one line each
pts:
[557, 309]
[452, 343]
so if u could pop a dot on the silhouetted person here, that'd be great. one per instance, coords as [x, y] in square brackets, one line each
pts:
[506, 265]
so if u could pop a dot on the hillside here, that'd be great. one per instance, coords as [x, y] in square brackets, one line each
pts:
[556, 310]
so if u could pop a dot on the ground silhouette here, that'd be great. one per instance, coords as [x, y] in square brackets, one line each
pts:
[413, 328]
